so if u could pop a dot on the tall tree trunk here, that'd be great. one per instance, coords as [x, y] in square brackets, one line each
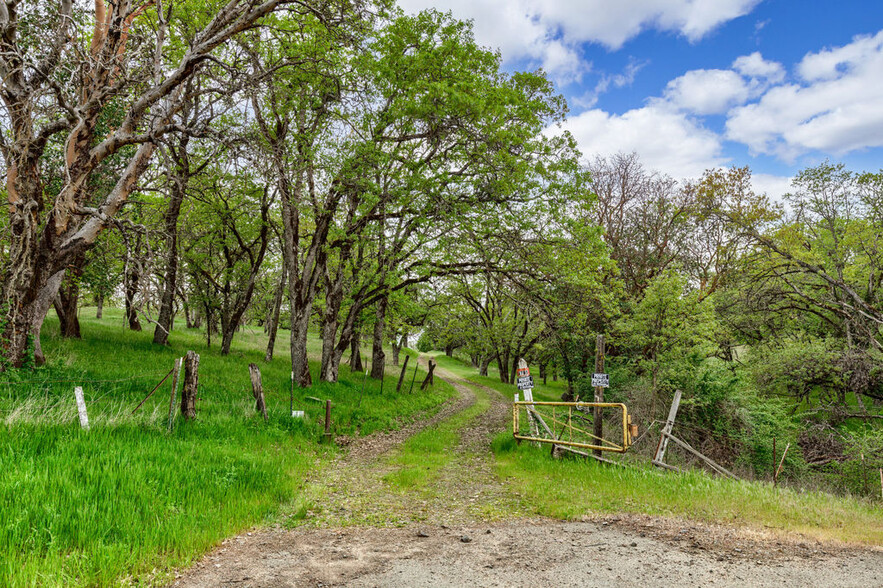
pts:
[132, 278]
[227, 338]
[181, 175]
[190, 314]
[356, 352]
[503, 367]
[378, 357]
[396, 350]
[99, 302]
[485, 362]
[273, 323]
[209, 325]
[330, 322]
[302, 283]
[66, 306]
[300, 327]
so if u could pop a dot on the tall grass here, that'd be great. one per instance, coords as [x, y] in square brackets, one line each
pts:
[129, 500]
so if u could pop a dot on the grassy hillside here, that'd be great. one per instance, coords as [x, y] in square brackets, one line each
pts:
[128, 499]
[572, 488]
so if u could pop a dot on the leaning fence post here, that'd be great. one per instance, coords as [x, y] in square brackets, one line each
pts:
[257, 389]
[178, 363]
[666, 430]
[81, 408]
[781, 465]
[416, 365]
[402, 375]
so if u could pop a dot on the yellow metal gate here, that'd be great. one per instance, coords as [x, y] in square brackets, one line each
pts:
[569, 424]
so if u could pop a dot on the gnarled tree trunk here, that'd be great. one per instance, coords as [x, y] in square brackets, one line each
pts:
[66, 304]
[180, 176]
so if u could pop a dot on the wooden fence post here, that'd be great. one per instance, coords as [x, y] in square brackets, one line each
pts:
[428, 380]
[327, 420]
[191, 385]
[597, 419]
[402, 376]
[257, 389]
[666, 430]
[81, 408]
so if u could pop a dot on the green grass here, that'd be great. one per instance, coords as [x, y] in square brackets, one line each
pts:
[420, 459]
[570, 489]
[129, 501]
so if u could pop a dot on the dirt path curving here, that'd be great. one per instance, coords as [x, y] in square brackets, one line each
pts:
[363, 530]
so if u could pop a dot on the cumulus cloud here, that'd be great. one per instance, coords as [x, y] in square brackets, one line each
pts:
[836, 110]
[707, 91]
[830, 64]
[550, 32]
[755, 66]
[715, 91]
[665, 139]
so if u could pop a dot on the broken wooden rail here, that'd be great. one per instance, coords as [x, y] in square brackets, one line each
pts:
[666, 436]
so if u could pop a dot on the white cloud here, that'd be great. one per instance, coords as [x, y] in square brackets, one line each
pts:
[550, 32]
[707, 91]
[755, 66]
[614, 23]
[715, 91]
[665, 139]
[829, 64]
[836, 111]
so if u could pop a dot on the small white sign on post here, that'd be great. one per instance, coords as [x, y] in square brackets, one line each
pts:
[600, 380]
[81, 408]
[525, 382]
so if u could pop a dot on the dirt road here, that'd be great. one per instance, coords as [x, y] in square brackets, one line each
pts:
[464, 527]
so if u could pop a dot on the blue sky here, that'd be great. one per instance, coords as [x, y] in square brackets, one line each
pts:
[692, 84]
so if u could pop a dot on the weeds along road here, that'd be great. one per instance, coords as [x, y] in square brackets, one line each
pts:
[423, 507]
